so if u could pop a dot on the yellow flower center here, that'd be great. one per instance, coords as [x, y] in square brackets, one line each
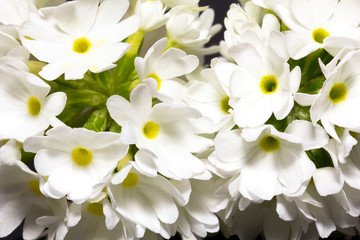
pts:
[225, 107]
[34, 106]
[158, 80]
[268, 84]
[81, 45]
[269, 143]
[131, 180]
[319, 35]
[96, 209]
[338, 93]
[151, 130]
[81, 156]
[34, 186]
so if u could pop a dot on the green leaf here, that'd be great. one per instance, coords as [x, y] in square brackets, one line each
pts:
[85, 98]
[125, 65]
[98, 120]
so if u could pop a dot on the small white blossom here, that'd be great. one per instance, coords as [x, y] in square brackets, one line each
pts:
[148, 201]
[339, 95]
[263, 84]
[320, 24]
[26, 107]
[164, 134]
[75, 160]
[78, 36]
[163, 81]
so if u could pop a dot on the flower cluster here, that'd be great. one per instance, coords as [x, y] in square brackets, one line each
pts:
[132, 136]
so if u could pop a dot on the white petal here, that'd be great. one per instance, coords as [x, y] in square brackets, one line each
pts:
[163, 205]
[177, 63]
[287, 211]
[313, 137]
[305, 99]
[327, 181]
[252, 111]
[76, 18]
[118, 32]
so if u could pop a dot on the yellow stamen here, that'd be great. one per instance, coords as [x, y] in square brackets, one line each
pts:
[268, 84]
[81, 45]
[338, 93]
[269, 143]
[225, 107]
[81, 156]
[34, 106]
[319, 35]
[151, 130]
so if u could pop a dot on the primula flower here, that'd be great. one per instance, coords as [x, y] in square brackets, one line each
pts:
[12, 53]
[163, 81]
[335, 103]
[152, 14]
[211, 98]
[190, 32]
[16, 12]
[26, 107]
[100, 221]
[58, 219]
[20, 195]
[75, 160]
[78, 36]
[239, 20]
[263, 84]
[164, 134]
[148, 201]
[262, 161]
[320, 24]
[197, 217]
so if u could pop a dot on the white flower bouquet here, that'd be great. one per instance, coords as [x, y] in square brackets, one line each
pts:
[113, 125]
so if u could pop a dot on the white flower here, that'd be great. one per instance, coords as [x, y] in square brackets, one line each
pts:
[16, 12]
[280, 218]
[59, 218]
[78, 36]
[345, 155]
[263, 85]
[339, 96]
[190, 32]
[333, 214]
[11, 53]
[160, 69]
[20, 196]
[164, 134]
[196, 218]
[239, 20]
[152, 14]
[320, 24]
[25, 107]
[263, 162]
[211, 98]
[147, 201]
[75, 160]
[100, 221]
